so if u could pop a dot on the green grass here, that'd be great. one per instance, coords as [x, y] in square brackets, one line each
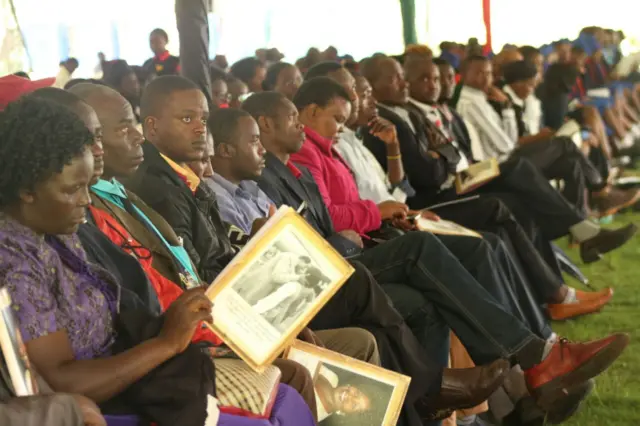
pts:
[616, 398]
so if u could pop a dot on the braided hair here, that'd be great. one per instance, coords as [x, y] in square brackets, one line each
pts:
[39, 137]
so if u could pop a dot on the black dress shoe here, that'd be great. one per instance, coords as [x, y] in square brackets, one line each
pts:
[606, 241]
[527, 413]
[465, 388]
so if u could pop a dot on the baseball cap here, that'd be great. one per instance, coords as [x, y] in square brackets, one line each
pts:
[12, 87]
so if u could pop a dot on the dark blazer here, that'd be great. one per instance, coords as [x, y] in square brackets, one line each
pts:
[460, 133]
[195, 218]
[136, 290]
[283, 188]
[425, 173]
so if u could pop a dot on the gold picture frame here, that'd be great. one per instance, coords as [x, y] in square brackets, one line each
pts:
[476, 175]
[14, 353]
[273, 288]
[377, 395]
[444, 227]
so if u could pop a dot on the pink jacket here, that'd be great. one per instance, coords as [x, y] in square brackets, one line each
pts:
[337, 185]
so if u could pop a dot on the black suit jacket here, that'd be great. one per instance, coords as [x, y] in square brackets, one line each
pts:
[195, 218]
[279, 183]
[425, 173]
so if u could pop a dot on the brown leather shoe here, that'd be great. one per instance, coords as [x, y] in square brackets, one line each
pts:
[606, 241]
[570, 364]
[614, 199]
[467, 387]
[587, 303]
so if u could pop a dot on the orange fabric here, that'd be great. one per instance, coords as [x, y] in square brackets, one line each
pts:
[166, 290]
[185, 173]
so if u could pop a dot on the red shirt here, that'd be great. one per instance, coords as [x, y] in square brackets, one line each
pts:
[166, 290]
[337, 185]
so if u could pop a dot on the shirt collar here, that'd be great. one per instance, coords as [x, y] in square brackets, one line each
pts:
[423, 106]
[473, 93]
[514, 98]
[112, 187]
[326, 145]
[227, 185]
[163, 56]
[184, 173]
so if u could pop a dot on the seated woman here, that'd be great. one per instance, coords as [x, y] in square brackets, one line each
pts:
[67, 308]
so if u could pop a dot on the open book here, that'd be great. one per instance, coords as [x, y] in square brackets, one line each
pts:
[444, 227]
[272, 289]
[477, 175]
[14, 354]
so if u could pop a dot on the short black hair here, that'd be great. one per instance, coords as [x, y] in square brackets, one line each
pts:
[58, 96]
[370, 67]
[158, 90]
[73, 61]
[577, 50]
[528, 52]
[162, 33]
[115, 71]
[319, 91]
[75, 81]
[441, 62]
[217, 73]
[22, 74]
[263, 104]
[39, 137]
[245, 69]
[322, 69]
[273, 72]
[223, 125]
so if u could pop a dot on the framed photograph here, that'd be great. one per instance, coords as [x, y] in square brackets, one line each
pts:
[477, 175]
[274, 287]
[15, 361]
[444, 227]
[351, 392]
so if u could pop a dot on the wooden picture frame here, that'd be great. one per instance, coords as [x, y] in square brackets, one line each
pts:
[476, 175]
[444, 227]
[14, 353]
[383, 386]
[263, 299]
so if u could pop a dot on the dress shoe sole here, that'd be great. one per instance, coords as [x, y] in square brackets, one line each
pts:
[559, 387]
[576, 316]
[594, 255]
[613, 210]
[567, 407]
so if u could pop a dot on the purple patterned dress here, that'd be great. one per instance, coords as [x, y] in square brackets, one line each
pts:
[49, 296]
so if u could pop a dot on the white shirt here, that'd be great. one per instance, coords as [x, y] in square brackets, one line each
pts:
[532, 110]
[497, 137]
[373, 183]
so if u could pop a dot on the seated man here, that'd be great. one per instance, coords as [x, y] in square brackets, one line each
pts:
[426, 265]
[557, 158]
[175, 120]
[429, 171]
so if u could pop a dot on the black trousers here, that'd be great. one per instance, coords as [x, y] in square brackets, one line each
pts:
[466, 305]
[560, 158]
[361, 302]
[529, 248]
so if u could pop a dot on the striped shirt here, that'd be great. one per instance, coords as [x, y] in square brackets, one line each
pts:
[498, 135]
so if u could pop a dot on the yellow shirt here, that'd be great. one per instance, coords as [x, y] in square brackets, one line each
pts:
[185, 173]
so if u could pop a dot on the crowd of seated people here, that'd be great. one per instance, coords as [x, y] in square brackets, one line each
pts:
[122, 198]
